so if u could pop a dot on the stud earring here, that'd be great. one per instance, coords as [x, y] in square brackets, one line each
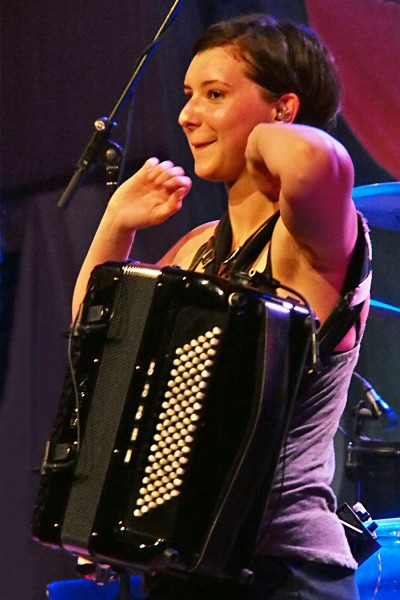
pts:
[282, 114]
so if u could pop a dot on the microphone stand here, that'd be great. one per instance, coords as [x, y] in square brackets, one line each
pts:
[363, 412]
[100, 144]
[125, 587]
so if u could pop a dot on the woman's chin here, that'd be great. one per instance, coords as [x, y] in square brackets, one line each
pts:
[207, 174]
[212, 174]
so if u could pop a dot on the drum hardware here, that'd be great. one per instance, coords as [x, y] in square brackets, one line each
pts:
[103, 574]
[372, 463]
[380, 204]
[383, 310]
[360, 531]
[379, 576]
[98, 572]
[359, 527]
[374, 466]
[372, 407]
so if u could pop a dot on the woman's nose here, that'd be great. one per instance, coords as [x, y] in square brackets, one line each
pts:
[189, 114]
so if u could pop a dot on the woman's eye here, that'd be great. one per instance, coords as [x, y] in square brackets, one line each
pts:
[214, 94]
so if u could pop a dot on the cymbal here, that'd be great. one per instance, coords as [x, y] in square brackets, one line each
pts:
[380, 204]
[382, 310]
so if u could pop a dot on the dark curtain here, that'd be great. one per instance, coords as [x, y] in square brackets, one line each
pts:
[63, 66]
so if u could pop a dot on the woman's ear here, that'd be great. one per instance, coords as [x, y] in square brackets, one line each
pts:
[287, 108]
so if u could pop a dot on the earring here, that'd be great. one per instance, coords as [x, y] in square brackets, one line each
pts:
[282, 114]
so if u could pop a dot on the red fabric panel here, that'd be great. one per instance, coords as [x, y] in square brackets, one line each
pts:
[364, 35]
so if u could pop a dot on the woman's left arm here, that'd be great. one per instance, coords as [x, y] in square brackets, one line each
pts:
[314, 173]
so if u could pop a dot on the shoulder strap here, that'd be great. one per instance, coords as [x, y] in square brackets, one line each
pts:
[216, 255]
[212, 253]
[355, 291]
[253, 246]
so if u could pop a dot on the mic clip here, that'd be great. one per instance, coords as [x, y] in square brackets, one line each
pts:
[374, 407]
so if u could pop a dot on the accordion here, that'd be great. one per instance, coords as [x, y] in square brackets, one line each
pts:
[172, 416]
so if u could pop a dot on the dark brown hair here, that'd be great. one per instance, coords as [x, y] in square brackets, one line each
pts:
[283, 58]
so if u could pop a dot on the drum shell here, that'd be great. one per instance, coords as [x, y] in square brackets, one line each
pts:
[381, 571]
[375, 465]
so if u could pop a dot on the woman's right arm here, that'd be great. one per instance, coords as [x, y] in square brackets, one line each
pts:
[147, 198]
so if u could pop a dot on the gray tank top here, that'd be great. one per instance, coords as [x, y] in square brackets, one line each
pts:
[300, 521]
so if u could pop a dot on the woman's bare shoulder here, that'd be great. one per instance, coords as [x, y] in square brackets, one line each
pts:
[184, 250]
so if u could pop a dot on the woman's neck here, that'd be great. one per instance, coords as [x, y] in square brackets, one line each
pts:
[248, 209]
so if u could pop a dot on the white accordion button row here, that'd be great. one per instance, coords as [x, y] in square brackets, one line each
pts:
[177, 422]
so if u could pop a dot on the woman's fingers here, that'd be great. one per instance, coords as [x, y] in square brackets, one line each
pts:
[155, 168]
[181, 182]
[152, 194]
[167, 176]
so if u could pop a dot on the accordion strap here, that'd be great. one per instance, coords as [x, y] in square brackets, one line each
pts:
[355, 292]
[216, 256]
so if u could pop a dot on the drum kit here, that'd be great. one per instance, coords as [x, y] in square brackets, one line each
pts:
[378, 578]
[380, 205]
[379, 462]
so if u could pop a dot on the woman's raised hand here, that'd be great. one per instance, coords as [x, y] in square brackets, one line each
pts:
[150, 196]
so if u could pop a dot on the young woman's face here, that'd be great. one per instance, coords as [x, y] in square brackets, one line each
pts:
[223, 107]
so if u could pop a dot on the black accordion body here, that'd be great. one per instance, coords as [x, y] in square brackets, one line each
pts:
[171, 420]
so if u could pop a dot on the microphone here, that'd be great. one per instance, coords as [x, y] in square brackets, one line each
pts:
[379, 408]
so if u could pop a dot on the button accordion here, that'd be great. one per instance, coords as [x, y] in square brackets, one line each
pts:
[171, 419]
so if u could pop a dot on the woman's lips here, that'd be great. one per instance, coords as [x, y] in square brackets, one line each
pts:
[201, 145]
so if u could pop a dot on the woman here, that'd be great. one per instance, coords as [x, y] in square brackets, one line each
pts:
[259, 97]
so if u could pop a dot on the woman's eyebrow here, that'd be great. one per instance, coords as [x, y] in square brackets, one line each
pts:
[208, 82]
